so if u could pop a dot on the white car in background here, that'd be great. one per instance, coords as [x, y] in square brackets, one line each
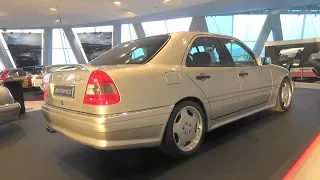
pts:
[36, 81]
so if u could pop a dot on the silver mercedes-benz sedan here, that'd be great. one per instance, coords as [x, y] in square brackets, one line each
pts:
[9, 109]
[164, 91]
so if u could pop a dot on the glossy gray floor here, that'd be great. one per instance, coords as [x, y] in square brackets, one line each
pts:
[262, 146]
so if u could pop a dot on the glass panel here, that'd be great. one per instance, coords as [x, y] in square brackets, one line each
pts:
[248, 27]
[125, 33]
[58, 56]
[312, 26]
[291, 26]
[132, 32]
[154, 28]
[176, 25]
[270, 37]
[220, 24]
[59, 39]
[71, 59]
[263, 53]
[250, 44]
[56, 38]
[104, 29]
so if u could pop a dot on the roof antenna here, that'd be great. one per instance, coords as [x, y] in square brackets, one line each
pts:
[59, 16]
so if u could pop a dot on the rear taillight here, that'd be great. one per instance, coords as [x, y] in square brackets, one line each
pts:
[101, 90]
[45, 92]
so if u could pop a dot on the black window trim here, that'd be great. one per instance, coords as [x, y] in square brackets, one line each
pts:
[244, 46]
[192, 42]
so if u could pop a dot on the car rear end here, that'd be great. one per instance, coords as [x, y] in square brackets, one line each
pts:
[91, 104]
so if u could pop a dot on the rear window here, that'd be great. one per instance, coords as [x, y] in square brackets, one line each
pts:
[133, 52]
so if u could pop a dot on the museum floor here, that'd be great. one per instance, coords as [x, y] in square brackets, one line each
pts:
[262, 146]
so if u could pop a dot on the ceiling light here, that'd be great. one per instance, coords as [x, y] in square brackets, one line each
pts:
[118, 3]
[53, 9]
[57, 20]
[165, 1]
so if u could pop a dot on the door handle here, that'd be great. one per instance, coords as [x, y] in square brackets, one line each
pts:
[202, 77]
[243, 74]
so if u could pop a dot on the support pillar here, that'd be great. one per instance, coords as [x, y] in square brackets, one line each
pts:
[74, 45]
[273, 24]
[139, 30]
[47, 47]
[199, 24]
[7, 63]
[276, 27]
[116, 35]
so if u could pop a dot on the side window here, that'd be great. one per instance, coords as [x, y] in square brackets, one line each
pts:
[206, 51]
[138, 55]
[240, 55]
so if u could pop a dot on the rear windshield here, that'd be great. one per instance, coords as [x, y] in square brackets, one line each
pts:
[133, 52]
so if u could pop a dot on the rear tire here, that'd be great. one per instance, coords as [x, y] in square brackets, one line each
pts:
[185, 130]
[284, 98]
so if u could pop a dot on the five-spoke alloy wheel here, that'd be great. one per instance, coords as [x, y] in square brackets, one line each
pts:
[185, 129]
[284, 98]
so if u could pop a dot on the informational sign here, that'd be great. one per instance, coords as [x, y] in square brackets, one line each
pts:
[95, 44]
[25, 48]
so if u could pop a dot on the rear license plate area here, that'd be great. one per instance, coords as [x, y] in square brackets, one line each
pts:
[64, 91]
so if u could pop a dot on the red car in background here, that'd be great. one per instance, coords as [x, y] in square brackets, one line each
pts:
[16, 74]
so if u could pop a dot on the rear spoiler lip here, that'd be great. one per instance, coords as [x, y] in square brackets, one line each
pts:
[87, 66]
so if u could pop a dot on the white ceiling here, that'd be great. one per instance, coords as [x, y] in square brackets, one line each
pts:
[36, 13]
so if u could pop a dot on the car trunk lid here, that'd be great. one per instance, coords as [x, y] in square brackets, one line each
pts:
[67, 87]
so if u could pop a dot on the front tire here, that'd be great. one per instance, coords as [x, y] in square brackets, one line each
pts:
[284, 98]
[185, 130]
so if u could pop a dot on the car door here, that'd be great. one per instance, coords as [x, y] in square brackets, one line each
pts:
[255, 79]
[206, 64]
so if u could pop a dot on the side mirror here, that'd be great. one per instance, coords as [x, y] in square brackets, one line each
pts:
[266, 60]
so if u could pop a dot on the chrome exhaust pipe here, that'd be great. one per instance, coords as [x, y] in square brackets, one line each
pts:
[50, 130]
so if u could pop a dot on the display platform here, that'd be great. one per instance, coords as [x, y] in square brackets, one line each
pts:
[262, 146]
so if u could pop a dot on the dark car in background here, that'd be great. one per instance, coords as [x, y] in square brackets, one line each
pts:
[27, 59]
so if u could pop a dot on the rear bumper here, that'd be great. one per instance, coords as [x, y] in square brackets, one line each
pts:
[9, 112]
[118, 131]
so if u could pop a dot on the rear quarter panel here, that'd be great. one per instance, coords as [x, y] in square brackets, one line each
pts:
[145, 87]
